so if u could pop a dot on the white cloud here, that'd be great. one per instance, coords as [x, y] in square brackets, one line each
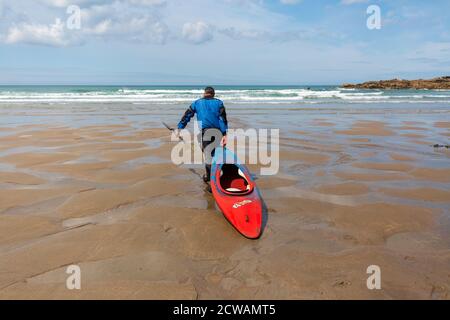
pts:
[197, 32]
[146, 21]
[52, 35]
[124, 21]
[252, 34]
[121, 22]
[289, 2]
[87, 3]
[152, 21]
[66, 3]
[349, 2]
[148, 2]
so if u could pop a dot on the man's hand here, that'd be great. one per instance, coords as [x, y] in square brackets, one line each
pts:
[176, 132]
[224, 141]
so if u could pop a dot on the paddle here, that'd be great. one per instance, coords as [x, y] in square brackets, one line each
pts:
[171, 129]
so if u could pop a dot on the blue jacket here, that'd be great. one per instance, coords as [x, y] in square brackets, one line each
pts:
[210, 112]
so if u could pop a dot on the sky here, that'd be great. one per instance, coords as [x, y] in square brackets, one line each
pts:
[230, 42]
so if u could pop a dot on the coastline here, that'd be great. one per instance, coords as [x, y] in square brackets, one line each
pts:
[440, 83]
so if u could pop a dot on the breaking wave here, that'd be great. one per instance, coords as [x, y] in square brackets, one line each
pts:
[235, 95]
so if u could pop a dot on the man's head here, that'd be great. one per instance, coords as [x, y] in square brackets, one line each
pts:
[209, 92]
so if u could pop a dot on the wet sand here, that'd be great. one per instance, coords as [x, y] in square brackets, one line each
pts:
[107, 198]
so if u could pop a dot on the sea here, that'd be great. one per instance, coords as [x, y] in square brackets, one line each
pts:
[247, 106]
[231, 94]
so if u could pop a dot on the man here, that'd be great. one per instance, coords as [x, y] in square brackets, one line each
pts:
[214, 125]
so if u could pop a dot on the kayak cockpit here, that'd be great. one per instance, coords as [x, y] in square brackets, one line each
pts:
[233, 181]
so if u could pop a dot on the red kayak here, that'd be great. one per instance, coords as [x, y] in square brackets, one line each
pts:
[236, 193]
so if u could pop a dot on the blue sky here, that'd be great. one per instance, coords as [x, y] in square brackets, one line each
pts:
[221, 41]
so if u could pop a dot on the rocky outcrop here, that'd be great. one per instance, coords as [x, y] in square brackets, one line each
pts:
[436, 83]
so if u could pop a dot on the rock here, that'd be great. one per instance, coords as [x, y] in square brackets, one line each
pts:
[432, 84]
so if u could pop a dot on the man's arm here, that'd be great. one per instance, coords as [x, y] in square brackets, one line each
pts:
[190, 112]
[223, 120]
[223, 125]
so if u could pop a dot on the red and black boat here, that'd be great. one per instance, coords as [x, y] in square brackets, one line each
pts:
[236, 194]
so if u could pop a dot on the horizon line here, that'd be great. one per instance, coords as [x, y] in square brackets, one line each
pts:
[166, 85]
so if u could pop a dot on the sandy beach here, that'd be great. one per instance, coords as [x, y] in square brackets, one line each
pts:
[352, 191]
[341, 190]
